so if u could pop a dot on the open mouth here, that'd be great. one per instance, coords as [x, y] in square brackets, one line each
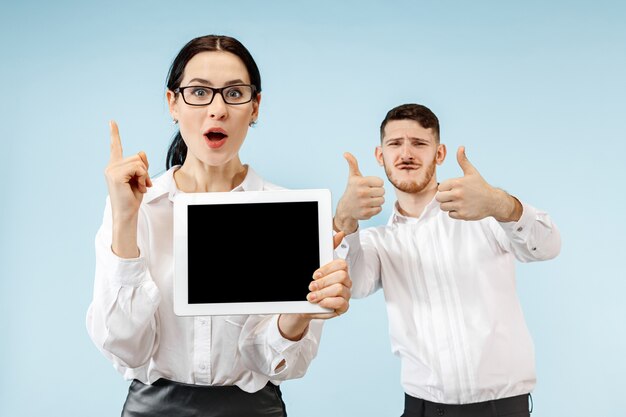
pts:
[215, 136]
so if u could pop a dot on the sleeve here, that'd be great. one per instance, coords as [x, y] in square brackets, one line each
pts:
[121, 319]
[360, 253]
[263, 348]
[534, 237]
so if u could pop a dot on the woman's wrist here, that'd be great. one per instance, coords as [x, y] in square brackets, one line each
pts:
[293, 326]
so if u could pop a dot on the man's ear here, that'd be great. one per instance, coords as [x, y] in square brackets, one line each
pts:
[441, 153]
[378, 153]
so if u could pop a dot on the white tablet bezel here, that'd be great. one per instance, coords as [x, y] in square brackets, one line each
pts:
[180, 285]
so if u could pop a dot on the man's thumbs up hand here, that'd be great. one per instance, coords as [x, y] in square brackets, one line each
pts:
[353, 165]
[464, 163]
[362, 199]
[470, 197]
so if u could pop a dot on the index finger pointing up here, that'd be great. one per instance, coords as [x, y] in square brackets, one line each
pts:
[116, 142]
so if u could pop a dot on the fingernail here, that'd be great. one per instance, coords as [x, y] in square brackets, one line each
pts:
[317, 274]
[313, 286]
[311, 296]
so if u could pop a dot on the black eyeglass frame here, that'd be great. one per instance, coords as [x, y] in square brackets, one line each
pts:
[215, 92]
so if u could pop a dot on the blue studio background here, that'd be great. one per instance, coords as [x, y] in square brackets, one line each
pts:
[534, 90]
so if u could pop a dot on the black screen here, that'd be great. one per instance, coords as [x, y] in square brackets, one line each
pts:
[252, 252]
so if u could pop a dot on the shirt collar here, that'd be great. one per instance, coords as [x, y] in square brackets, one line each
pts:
[162, 185]
[398, 218]
[166, 185]
[252, 182]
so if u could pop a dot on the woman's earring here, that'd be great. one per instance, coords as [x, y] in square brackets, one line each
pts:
[252, 123]
[175, 121]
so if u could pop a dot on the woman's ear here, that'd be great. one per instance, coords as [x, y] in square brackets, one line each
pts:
[170, 97]
[255, 109]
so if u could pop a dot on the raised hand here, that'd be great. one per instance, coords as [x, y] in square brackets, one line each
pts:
[470, 197]
[127, 178]
[362, 199]
[127, 181]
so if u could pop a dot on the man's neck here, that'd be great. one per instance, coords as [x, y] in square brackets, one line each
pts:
[412, 204]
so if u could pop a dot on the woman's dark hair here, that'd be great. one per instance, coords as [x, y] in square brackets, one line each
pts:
[178, 149]
[421, 114]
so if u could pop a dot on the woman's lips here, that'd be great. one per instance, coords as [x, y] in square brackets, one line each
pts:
[214, 144]
[215, 138]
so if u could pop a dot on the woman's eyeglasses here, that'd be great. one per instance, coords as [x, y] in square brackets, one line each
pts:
[199, 95]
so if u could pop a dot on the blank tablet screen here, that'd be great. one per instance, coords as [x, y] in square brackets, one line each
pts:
[254, 252]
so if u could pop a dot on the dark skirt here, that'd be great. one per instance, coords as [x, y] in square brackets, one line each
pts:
[166, 398]
[517, 406]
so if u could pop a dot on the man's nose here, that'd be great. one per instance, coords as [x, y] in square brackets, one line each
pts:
[406, 153]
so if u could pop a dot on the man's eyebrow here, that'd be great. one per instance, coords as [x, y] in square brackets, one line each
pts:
[403, 138]
[207, 82]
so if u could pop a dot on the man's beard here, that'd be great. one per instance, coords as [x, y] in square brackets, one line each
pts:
[416, 186]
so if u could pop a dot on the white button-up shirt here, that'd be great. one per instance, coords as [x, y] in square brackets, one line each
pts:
[454, 316]
[131, 318]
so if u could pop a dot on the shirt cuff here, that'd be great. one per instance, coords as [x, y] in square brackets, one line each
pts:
[277, 341]
[125, 272]
[341, 251]
[351, 240]
[520, 229]
[279, 344]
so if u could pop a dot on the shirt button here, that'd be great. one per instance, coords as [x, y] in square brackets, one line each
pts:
[203, 322]
[440, 411]
[343, 246]
[534, 248]
[203, 367]
[519, 229]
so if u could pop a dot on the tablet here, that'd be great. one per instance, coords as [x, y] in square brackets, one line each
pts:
[250, 252]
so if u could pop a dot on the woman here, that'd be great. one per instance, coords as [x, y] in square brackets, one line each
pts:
[190, 366]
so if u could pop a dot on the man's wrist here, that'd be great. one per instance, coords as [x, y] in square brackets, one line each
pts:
[346, 225]
[509, 208]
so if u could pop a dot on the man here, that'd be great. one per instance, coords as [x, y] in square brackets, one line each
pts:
[446, 263]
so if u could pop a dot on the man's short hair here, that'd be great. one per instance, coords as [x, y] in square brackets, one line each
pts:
[421, 114]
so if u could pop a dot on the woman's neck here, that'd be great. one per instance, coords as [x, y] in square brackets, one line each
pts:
[201, 178]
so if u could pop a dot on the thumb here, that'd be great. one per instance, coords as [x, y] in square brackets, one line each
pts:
[464, 163]
[338, 238]
[144, 158]
[353, 165]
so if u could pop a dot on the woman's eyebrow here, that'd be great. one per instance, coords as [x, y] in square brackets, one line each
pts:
[207, 82]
